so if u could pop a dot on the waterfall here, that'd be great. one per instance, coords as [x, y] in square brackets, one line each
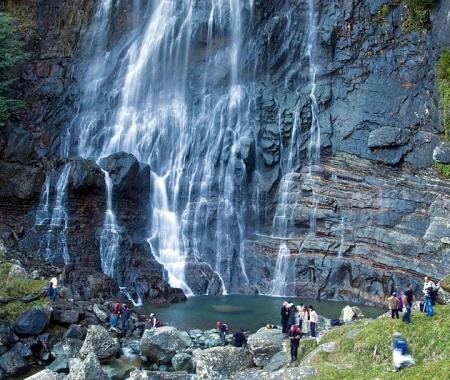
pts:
[43, 210]
[314, 140]
[109, 239]
[54, 244]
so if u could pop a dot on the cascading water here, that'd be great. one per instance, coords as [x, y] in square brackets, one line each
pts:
[146, 112]
[314, 141]
[54, 245]
[109, 239]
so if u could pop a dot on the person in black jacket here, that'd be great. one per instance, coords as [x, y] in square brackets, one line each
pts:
[284, 317]
[239, 339]
[291, 317]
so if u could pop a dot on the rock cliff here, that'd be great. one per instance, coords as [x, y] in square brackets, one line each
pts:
[380, 211]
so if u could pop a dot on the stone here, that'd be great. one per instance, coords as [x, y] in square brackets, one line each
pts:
[442, 153]
[221, 362]
[63, 352]
[182, 362]
[264, 344]
[6, 334]
[100, 313]
[158, 375]
[22, 349]
[76, 332]
[46, 374]
[350, 314]
[443, 297]
[13, 364]
[279, 360]
[122, 168]
[17, 271]
[161, 344]
[87, 369]
[66, 316]
[100, 342]
[33, 321]
[385, 136]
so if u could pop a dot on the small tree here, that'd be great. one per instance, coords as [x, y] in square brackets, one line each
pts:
[11, 52]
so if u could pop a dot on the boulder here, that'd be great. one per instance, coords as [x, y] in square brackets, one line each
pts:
[182, 362]
[101, 313]
[33, 321]
[87, 369]
[99, 341]
[385, 136]
[123, 169]
[66, 315]
[443, 297]
[13, 364]
[161, 344]
[158, 375]
[17, 271]
[351, 313]
[442, 152]
[221, 362]
[76, 332]
[23, 350]
[46, 374]
[63, 352]
[86, 177]
[279, 360]
[6, 334]
[264, 344]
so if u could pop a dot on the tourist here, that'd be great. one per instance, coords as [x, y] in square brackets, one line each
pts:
[298, 316]
[284, 317]
[291, 317]
[400, 353]
[223, 329]
[393, 305]
[305, 319]
[408, 299]
[115, 315]
[400, 302]
[428, 290]
[239, 339]
[53, 289]
[313, 321]
[294, 337]
[151, 321]
[125, 317]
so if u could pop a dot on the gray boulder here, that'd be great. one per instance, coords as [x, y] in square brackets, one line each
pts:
[351, 313]
[76, 332]
[385, 136]
[443, 297]
[221, 362]
[13, 364]
[101, 312]
[87, 369]
[63, 352]
[182, 362]
[100, 342]
[46, 374]
[33, 321]
[279, 360]
[161, 344]
[264, 344]
[442, 153]
[66, 316]
[158, 375]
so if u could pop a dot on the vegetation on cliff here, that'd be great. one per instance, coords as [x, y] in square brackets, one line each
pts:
[13, 288]
[10, 55]
[363, 350]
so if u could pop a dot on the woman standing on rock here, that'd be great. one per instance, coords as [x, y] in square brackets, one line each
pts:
[284, 317]
[313, 321]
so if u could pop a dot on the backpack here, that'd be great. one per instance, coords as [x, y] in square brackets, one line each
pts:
[158, 323]
[224, 327]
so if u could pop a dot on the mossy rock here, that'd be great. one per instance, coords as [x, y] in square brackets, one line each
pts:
[445, 283]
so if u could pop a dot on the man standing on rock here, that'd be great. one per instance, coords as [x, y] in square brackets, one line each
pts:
[223, 329]
[294, 338]
[408, 300]
[393, 305]
[313, 321]
[53, 290]
[428, 289]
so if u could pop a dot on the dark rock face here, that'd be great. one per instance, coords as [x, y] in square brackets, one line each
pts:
[33, 321]
[13, 364]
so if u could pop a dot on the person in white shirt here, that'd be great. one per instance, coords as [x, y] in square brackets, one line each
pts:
[53, 290]
[428, 288]
[313, 321]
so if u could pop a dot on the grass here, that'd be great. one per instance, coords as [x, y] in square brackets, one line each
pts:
[16, 287]
[445, 283]
[368, 355]
[442, 169]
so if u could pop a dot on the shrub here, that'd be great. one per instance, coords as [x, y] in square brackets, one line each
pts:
[418, 14]
[11, 54]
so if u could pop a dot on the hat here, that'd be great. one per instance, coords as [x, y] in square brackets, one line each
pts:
[397, 334]
[152, 314]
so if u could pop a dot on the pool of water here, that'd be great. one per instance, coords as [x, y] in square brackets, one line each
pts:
[239, 311]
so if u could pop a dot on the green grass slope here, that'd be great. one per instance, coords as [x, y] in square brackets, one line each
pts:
[363, 350]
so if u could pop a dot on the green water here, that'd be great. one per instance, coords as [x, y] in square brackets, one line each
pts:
[239, 311]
